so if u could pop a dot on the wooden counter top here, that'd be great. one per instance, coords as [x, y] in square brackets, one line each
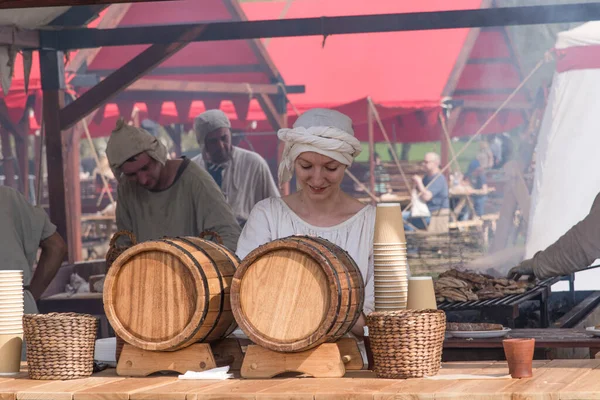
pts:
[558, 379]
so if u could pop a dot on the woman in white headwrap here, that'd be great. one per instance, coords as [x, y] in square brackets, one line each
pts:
[318, 149]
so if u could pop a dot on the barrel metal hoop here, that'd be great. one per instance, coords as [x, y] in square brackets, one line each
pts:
[329, 245]
[204, 283]
[334, 272]
[222, 298]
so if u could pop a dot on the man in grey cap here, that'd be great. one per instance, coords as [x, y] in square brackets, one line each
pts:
[159, 197]
[242, 175]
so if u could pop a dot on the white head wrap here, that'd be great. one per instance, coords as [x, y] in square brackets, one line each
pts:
[320, 130]
[127, 141]
[207, 122]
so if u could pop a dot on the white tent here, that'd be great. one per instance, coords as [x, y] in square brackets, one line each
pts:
[567, 173]
[12, 21]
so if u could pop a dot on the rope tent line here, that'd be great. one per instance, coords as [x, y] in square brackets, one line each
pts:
[545, 59]
[361, 185]
[387, 138]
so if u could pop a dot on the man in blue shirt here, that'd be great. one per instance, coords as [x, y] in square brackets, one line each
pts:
[432, 189]
[476, 177]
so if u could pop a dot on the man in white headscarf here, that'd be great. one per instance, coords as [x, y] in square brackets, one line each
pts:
[242, 175]
[159, 197]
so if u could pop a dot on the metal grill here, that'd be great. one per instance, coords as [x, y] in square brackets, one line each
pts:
[510, 303]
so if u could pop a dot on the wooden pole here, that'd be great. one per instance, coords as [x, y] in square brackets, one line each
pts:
[52, 71]
[8, 159]
[371, 149]
[22, 143]
[444, 152]
[73, 188]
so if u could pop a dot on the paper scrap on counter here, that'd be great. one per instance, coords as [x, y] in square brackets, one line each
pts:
[219, 373]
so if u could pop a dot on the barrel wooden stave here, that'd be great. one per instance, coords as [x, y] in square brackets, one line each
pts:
[345, 286]
[204, 274]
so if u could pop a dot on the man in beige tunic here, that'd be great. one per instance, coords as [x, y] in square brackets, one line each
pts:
[23, 230]
[243, 176]
[159, 197]
[574, 251]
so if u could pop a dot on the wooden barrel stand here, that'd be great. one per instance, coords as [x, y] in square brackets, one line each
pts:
[168, 299]
[295, 298]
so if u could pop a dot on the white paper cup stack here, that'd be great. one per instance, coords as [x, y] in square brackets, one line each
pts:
[11, 321]
[389, 257]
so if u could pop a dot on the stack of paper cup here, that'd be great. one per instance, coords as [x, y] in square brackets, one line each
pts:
[389, 256]
[11, 321]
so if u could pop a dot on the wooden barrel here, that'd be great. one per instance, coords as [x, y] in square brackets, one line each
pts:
[168, 294]
[295, 293]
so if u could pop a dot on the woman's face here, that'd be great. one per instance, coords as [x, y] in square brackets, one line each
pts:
[318, 175]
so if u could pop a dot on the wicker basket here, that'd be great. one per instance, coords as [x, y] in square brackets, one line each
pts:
[407, 343]
[115, 251]
[60, 345]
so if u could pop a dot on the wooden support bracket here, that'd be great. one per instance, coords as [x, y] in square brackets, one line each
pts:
[138, 362]
[324, 361]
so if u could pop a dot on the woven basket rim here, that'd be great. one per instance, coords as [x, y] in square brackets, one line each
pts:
[398, 313]
[59, 316]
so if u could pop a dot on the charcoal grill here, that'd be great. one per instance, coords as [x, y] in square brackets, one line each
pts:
[509, 305]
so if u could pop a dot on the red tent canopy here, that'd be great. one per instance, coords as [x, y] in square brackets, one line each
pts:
[407, 74]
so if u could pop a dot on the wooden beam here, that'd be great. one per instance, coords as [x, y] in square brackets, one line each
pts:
[463, 56]
[68, 39]
[270, 111]
[112, 18]
[159, 85]
[255, 44]
[123, 77]
[79, 16]
[8, 159]
[19, 37]
[71, 141]
[51, 67]
[22, 144]
[4, 4]
[195, 70]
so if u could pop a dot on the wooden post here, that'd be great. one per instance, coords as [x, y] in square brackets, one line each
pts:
[444, 152]
[22, 143]
[174, 132]
[37, 159]
[8, 159]
[371, 149]
[71, 140]
[52, 71]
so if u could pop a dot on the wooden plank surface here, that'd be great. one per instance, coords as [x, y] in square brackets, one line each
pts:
[237, 389]
[555, 376]
[123, 389]
[430, 389]
[557, 379]
[326, 388]
[174, 391]
[62, 390]
[587, 386]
